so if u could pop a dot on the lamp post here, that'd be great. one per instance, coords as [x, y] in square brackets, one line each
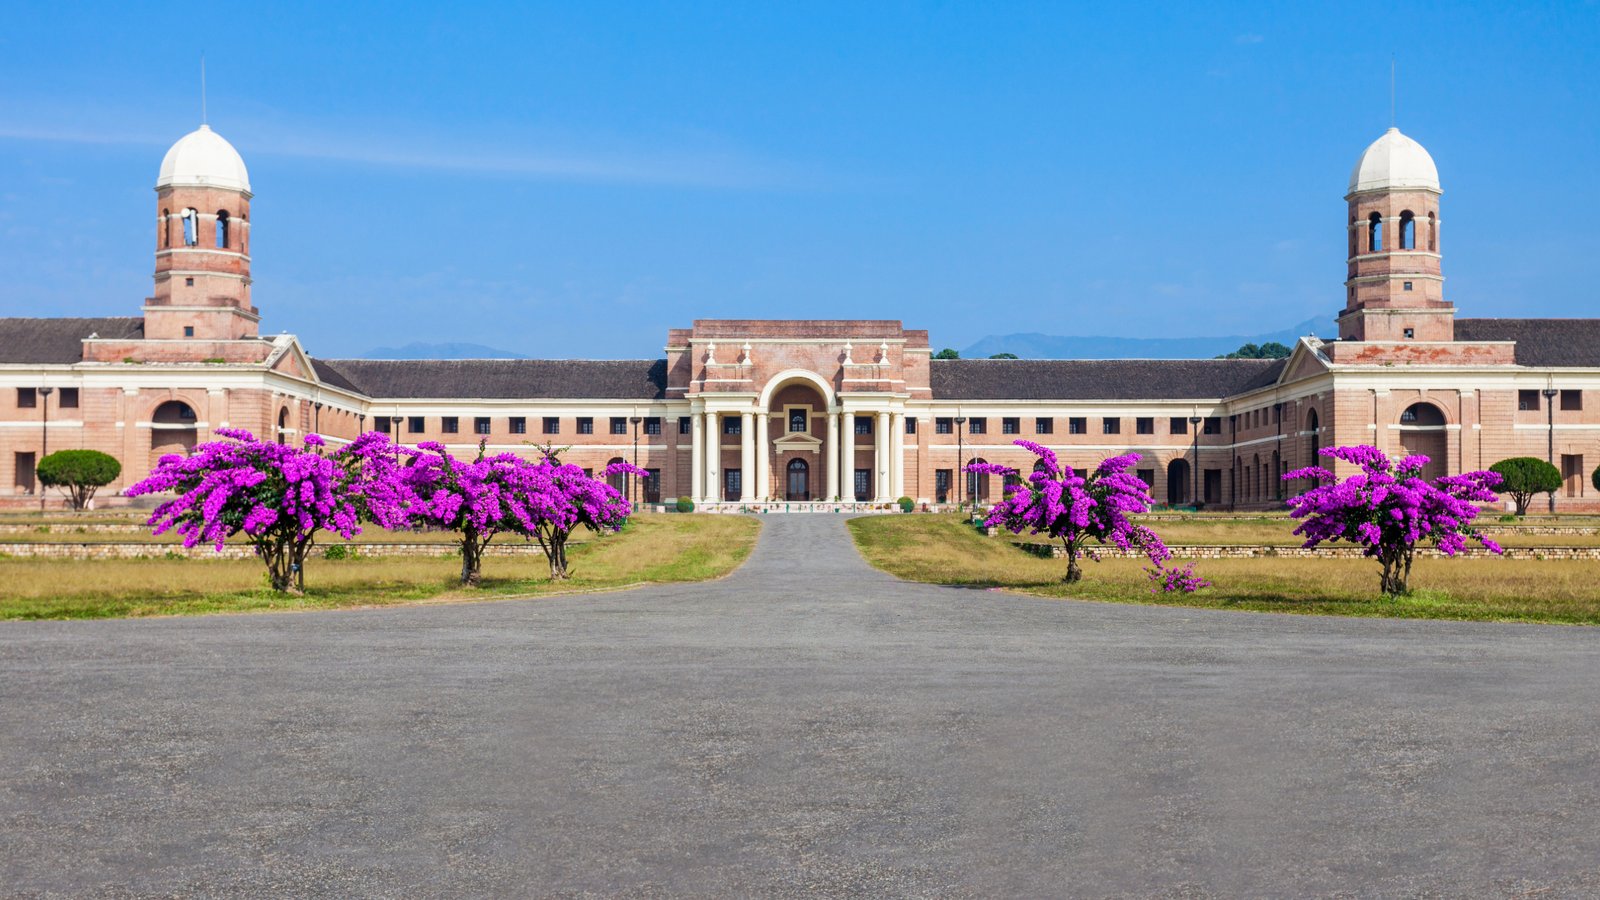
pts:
[635, 419]
[394, 427]
[961, 476]
[44, 438]
[1550, 394]
[1194, 476]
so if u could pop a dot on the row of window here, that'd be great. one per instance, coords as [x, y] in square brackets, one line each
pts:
[1567, 400]
[1075, 425]
[519, 425]
[66, 398]
[191, 228]
[1258, 418]
[1408, 233]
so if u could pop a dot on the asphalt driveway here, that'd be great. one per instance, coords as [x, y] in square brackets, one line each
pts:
[807, 726]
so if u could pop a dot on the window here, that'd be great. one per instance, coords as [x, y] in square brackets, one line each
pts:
[911, 425]
[652, 486]
[27, 398]
[188, 331]
[27, 471]
[1044, 425]
[731, 426]
[1144, 425]
[1077, 425]
[1525, 400]
[863, 424]
[978, 425]
[382, 424]
[1425, 414]
[732, 483]
[1213, 425]
[449, 424]
[1010, 425]
[652, 425]
[1375, 233]
[797, 421]
[222, 229]
[551, 425]
[1405, 285]
[619, 424]
[191, 227]
[414, 425]
[1570, 400]
[943, 425]
[941, 485]
[1433, 234]
[1409, 333]
[1354, 248]
[188, 282]
[685, 424]
[1110, 426]
[863, 485]
[585, 425]
[68, 399]
[519, 424]
[1148, 476]
[480, 425]
[1408, 231]
[1178, 425]
[166, 228]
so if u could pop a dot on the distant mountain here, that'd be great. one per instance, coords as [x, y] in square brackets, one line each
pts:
[419, 350]
[1055, 346]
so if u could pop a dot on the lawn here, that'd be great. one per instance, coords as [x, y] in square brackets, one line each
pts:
[653, 549]
[944, 550]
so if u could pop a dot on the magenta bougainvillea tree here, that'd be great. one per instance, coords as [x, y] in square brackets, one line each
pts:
[489, 496]
[1387, 507]
[1077, 509]
[570, 500]
[278, 495]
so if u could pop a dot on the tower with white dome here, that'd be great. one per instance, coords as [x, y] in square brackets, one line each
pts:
[1395, 286]
[202, 274]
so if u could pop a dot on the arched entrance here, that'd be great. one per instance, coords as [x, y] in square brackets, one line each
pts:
[978, 484]
[797, 480]
[617, 480]
[172, 430]
[1422, 432]
[1178, 490]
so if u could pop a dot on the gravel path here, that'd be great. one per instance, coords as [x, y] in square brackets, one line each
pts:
[808, 726]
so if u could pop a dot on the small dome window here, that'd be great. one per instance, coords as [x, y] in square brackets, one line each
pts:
[191, 227]
[1408, 231]
[222, 229]
[1374, 233]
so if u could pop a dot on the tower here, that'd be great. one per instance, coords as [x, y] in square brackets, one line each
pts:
[202, 275]
[1395, 287]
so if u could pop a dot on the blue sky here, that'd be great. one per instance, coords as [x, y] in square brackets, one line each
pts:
[573, 179]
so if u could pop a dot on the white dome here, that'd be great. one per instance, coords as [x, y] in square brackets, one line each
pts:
[1394, 161]
[202, 158]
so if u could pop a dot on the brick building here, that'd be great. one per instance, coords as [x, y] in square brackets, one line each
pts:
[746, 411]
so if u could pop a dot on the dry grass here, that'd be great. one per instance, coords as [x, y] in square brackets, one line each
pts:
[654, 548]
[943, 550]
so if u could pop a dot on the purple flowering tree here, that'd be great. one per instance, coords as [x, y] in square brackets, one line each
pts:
[1083, 509]
[479, 500]
[571, 500]
[278, 495]
[1387, 507]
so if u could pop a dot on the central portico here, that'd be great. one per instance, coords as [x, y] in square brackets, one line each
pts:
[796, 411]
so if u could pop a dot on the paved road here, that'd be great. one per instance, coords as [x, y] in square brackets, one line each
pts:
[806, 727]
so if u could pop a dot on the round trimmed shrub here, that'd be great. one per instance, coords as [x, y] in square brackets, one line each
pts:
[79, 473]
[906, 504]
[685, 504]
[1524, 476]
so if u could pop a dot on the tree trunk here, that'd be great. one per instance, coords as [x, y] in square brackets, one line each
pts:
[558, 558]
[279, 556]
[1074, 571]
[472, 558]
[1522, 501]
[1396, 577]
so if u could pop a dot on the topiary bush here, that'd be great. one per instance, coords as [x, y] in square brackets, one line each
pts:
[906, 504]
[1524, 476]
[79, 473]
[685, 505]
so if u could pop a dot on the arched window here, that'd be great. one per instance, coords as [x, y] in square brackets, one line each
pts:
[191, 227]
[1433, 233]
[1354, 245]
[222, 229]
[617, 480]
[1424, 415]
[1313, 425]
[166, 228]
[1408, 231]
[1374, 233]
[283, 423]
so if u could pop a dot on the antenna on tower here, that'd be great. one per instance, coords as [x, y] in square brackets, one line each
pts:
[203, 119]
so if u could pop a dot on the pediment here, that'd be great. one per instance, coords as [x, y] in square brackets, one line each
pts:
[798, 442]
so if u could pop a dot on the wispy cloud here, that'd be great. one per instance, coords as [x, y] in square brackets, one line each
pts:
[507, 158]
[1244, 39]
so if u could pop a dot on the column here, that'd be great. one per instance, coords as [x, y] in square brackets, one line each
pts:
[747, 457]
[713, 458]
[832, 456]
[847, 457]
[697, 457]
[897, 455]
[882, 479]
[763, 457]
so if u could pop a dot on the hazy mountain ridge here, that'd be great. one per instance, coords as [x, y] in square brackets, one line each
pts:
[1055, 346]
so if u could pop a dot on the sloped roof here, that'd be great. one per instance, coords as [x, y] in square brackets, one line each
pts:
[1571, 343]
[500, 379]
[60, 340]
[1098, 379]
